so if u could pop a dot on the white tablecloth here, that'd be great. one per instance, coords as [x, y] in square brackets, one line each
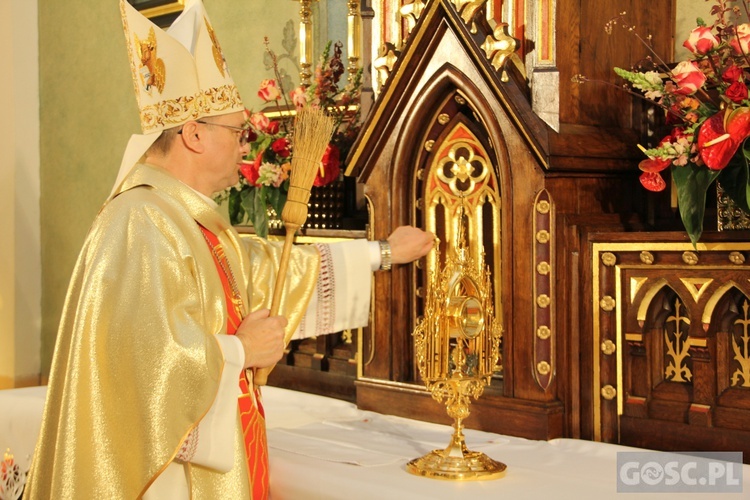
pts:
[322, 448]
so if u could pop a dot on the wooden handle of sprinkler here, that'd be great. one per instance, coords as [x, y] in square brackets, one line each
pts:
[261, 374]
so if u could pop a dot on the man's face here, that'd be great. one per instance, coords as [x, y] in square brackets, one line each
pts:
[225, 152]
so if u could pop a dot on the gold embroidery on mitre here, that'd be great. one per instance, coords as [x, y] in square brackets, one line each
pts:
[221, 63]
[152, 70]
[173, 112]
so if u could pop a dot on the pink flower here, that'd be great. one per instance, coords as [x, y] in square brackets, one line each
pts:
[688, 77]
[299, 97]
[269, 90]
[259, 121]
[740, 43]
[701, 41]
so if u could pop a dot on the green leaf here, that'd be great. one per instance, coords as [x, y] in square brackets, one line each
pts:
[734, 178]
[234, 206]
[692, 183]
[248, 203]
[276, 200]
[260, 216]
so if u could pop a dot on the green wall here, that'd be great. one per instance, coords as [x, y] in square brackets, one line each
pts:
[88, 112]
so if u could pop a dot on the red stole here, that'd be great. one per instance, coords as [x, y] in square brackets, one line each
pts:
[252, 416]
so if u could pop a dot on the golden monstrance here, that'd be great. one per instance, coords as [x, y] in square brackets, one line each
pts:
[457, 347]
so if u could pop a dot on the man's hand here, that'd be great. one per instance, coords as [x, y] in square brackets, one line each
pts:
[409, 244]
[262, 337]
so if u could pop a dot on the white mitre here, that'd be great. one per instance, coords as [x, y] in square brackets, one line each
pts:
[178, 75]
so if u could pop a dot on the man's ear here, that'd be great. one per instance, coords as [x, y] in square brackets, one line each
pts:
[194, 137]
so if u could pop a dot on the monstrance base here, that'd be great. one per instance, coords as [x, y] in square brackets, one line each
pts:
[472, 466]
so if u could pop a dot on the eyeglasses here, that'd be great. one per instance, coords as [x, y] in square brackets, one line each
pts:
[244, 132]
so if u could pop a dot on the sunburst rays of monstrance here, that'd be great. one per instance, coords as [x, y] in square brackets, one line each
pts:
[457, 345]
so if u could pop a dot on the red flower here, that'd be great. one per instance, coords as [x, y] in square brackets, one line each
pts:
[654, 164]
[652, 181]
[273, 128]
[736, 92]
[331, 168]
[732, 74]
[281, 147]
[716, 146]
[251, 170]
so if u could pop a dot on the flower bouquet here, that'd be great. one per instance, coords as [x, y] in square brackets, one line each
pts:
[260, 194]
[705, 100]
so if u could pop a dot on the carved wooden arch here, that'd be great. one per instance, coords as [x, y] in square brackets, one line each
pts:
[444, 81]
[712, 312]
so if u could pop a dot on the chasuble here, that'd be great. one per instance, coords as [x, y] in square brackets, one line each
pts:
[137, 363]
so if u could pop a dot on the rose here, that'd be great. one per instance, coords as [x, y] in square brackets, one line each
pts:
[741, 42]
[732, 74]
[330, 163]
[701, 41]
[299, 97]
[281, 147]
[259, 121]
[736, 92]
[272, 128]
[688, 77]
[269, 90]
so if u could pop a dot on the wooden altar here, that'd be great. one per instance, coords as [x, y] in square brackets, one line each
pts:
[590, 346]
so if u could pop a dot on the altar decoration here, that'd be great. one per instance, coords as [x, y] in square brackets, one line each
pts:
[261, 192]
[457, 345]
[705, 101]
[12, 479]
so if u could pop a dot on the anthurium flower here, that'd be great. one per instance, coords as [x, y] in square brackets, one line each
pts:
[269, 90]
[652, 181]
[688, 77]
[715, 144]
[721, 135]
[701, 41]
[330, 166]
[249, 169]
[740, 43]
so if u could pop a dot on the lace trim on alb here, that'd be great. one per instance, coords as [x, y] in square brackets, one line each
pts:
[189, 446]
[326, 291]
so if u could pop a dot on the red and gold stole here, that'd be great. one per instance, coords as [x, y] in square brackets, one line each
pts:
[252, 415]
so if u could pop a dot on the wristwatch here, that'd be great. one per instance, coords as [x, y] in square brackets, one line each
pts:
[385, 255]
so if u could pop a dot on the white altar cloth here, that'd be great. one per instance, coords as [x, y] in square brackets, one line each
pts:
[326, 449]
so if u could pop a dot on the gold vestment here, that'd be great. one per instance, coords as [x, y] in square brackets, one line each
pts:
[136, 366]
